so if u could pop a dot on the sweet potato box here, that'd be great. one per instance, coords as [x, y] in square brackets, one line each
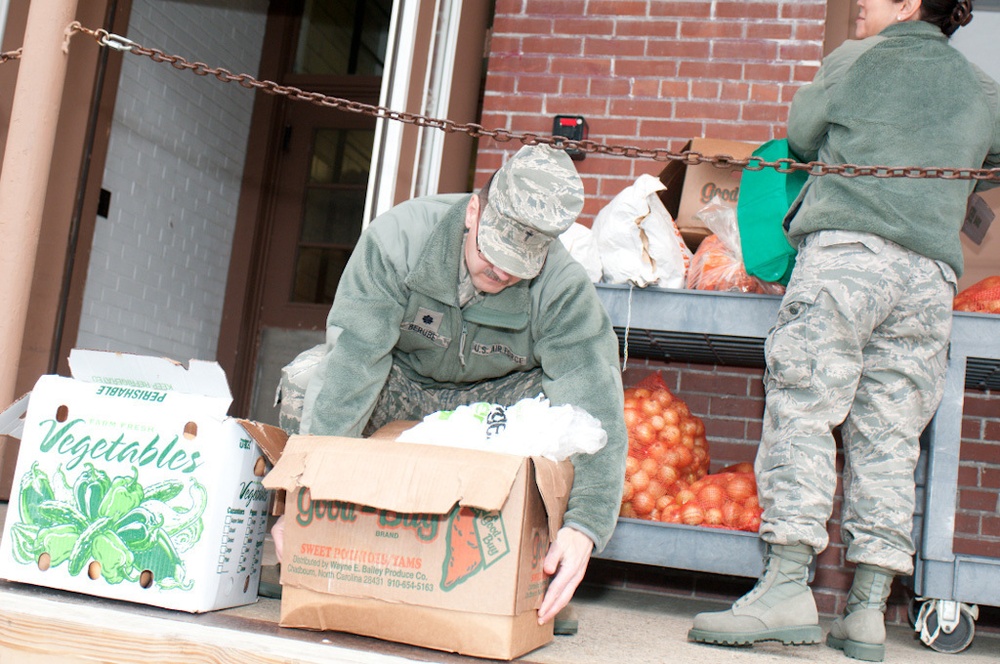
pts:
[131, 483]
[433, 546]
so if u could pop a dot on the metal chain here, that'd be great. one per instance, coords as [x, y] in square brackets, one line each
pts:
[10, 55]
[688, 157]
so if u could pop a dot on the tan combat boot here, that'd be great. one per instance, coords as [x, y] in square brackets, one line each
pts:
[779, 608]
[860, 632]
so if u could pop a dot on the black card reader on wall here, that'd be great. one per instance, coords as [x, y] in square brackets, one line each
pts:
[573, 127]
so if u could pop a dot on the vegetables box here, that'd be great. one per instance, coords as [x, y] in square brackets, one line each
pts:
[422, 544]
[131, 483]
[691, 188]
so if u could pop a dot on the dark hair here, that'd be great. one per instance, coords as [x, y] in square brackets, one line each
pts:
[948, 15]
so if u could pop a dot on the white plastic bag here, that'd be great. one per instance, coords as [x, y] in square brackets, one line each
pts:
[582, 246]
[531, 427]
[638, 240]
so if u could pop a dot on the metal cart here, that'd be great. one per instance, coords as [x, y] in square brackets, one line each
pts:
[729, 329]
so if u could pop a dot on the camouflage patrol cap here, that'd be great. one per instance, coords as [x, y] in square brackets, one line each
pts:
[533, 198]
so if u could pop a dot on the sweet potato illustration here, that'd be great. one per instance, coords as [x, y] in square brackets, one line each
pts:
[463, 557]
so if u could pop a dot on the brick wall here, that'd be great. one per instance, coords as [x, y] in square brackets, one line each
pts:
[650, 74]
[157, 275]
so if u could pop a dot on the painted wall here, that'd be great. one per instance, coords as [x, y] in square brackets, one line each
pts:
[156, 279]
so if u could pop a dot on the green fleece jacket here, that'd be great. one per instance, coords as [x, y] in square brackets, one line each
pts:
[904, 97]
[405, 265]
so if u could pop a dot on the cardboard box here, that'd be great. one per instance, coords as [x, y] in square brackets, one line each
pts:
[433, 546]
[132, 484]
[983, 260]
[690, 188]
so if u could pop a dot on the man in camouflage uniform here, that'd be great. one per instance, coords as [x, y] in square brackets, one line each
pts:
[455, 299]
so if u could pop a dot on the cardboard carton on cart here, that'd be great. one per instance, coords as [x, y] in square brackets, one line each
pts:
[432, 546]
[691, 188]
[132, 483]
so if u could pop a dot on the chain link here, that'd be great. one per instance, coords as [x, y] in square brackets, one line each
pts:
[688, 157]
[10, 55]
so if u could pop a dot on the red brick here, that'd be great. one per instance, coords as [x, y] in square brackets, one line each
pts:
[757, 10]
[580, 66]
[553, 7]
[833, 578]
[585, 27]
[539, 84]
[985, 501]
[613, 47]
[610, 87]
[669, 129]
[744, 50]
[505, 44]
[708, 111]
[670, 8]
[616, 7]
[736, 91]
[645, 87]
[614, 127]
[500, 83]
[810, 32]
[519, 64]
[712, 384]
[967, 524]
[712, 29]
[728, 407]
[679, 48]
[985, 452]
[642, 108]
[814, 10]
[990, 526]
[801, 51]
[550, 45]
[769, 72]
[521, 24]
[968, 475]
[804, 73]
[788, 92]
[705, 89]
[980, 405]
[725, 71]
[828, 603]
[991, 431]
[972, 428]
[977, 547]
[770, 30]
[765, 112]
[652, 29]
[989, 478]
[579, 87]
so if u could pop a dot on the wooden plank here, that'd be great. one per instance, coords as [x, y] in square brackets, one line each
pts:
[43, 630]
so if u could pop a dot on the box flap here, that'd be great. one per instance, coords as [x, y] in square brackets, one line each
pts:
[270, 439]
[153, 373]
[12, 418]
[554, 480]
[402, 477]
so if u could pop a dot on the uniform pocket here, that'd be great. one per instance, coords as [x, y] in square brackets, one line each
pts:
[790, 347]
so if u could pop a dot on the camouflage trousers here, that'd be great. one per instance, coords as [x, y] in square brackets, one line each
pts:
[861, 342]
[401, 398]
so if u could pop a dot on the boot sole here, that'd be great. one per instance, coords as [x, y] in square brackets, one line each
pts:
[790, 636]
[868, 652]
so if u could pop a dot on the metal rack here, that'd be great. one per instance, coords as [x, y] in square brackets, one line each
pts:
[729, 329]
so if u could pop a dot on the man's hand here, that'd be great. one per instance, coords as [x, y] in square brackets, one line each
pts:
[567, 559]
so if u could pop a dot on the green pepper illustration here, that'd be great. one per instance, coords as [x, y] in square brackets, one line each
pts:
[124, 495]
[58, 542]
[114, 556]
[34, 490]
[83, 548]
[23, 539]
[138, 529]
[90, 489]
[55, 512]
[162, 560]
[163, 491]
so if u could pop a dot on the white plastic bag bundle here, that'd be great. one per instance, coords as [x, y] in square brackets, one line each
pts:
[531, 427]
[582, 246]
[638, 240]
